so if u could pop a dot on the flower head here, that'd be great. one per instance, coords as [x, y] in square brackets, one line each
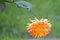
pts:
[39, 28]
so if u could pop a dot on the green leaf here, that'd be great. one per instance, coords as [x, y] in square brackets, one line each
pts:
[2, 0]
[9, 0]
[23, 4]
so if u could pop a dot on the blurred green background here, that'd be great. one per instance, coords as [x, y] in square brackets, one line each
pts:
[14, 19]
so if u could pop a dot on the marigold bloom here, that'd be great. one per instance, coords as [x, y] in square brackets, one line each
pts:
[39, 28]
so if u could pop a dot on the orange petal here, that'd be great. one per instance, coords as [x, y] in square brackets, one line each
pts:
[39, 28]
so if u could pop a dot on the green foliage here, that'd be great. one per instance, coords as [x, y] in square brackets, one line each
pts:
[8, 38]
[2, 0]
[20, 3]
[6, 0]
[9, 0]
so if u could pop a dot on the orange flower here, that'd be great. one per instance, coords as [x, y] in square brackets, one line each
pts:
[39, 28]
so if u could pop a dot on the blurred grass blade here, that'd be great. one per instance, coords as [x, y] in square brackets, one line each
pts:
[24, 4]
